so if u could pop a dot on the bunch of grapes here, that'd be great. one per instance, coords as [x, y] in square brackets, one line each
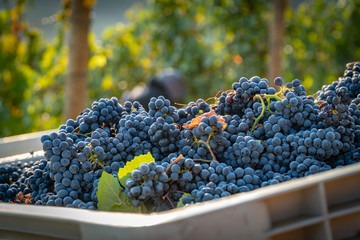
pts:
[149, 181]
[164, 136]
[241, 98]
[251, 136]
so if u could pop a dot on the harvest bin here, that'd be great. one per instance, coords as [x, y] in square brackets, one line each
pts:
[321, 206]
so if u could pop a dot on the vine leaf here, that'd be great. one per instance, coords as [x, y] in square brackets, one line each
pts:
[125, 172]
[108, 192]
[111, 198]
[125, 205]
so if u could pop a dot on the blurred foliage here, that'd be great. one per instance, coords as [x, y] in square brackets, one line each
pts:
[212, 43]
[31, 73]
[320, 39]
[188, 35]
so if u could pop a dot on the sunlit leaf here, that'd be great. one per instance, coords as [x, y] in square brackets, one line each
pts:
[125, 172]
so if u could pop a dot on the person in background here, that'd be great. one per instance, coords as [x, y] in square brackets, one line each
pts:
[169, 83]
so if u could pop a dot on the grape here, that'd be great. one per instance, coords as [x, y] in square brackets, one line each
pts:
[278, 81]
[135, 191]
[175, 168]
[144, 168]
[187, 176]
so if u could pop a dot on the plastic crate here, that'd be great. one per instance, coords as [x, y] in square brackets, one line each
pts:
[321, 206]
[19, 144]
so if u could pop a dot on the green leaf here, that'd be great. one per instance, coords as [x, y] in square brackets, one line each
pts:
[125, 172]
[111, 198]
[180, 203]
[125, 205]
[108, 192]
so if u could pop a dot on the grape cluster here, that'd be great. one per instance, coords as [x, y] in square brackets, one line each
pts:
[355, 114]
[245, 152]
[31, 179]
[149, 181]
[218, 180]
[160, 107]
[236, 101]
[197, 108]
[105, 112]
[10, 185]
[37, 177]
[304, 165]
[132, 138]
[77, 154]
[346, 88]
[164, 135]
[192, 110]
[162, 184]
[300, 111]
[69, 167]
[10, 173]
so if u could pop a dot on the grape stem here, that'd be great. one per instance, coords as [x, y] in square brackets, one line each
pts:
[167, 196]
[283, 89]
[257, 96]
[171, 164]
[272, 97]
[210, 150]
[76, 132]
[202, 160]
[269, 97]
[76, 129]
[83, 135]
[198, 142]
[97, 160]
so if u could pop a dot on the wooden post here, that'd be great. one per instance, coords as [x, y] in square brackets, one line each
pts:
[276, 40]
[76, 81]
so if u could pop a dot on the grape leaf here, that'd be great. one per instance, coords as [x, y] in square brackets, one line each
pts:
[111, 198]
[108, 191]
[125, 172]
[125, 205]
[180, 203]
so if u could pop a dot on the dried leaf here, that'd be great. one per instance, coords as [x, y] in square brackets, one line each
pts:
[196, 121]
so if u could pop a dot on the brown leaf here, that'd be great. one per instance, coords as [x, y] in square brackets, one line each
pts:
[20, 196]
[196, 121]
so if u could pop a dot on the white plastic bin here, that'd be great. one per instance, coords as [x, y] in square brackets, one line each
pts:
[19, 144]
[321, 206]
